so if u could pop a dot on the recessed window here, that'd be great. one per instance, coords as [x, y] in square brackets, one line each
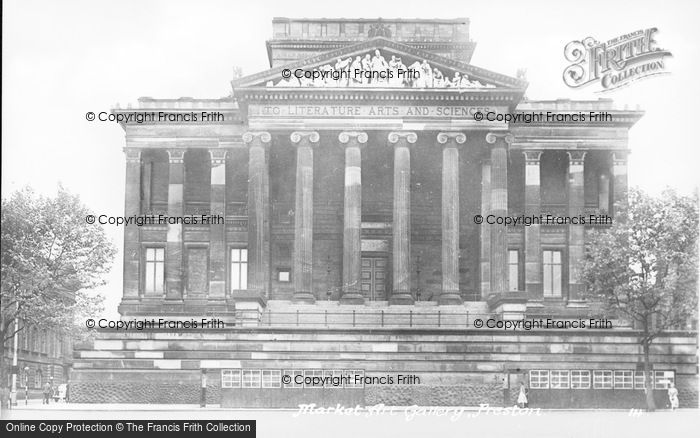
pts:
[230, 378]
[155, 270]
[580, 379]
[295, 381]
[271, 378]
[663, 379]
[539, 379]
[551, 266]
[250, 379]
[513, 270]
[356, 378]
[602, 379]
[284, 275]
[239, 269]
[639, 381]
[623, 379]
[559, 379]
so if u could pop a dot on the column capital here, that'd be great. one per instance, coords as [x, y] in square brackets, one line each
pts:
[133, 155]
[353, 138]
[304, 138]
[451, 139]
[532, 158]
[256, 138]
[492, 137]
[217, 155]
[619, 158]
[176, 156]
[576, 158]
[402, 137]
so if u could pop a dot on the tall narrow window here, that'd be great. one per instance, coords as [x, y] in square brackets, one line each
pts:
[551, 265]
[513, 270]
[324, 29]
[239, 269]
[155, 268]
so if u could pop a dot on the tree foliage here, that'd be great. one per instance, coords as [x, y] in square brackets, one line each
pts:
[645, 267]
[51, 259]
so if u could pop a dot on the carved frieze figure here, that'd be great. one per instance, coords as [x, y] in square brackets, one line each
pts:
[355, 69]
[366, 69]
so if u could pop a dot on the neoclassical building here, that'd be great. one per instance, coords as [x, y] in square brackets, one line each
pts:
[354, 222]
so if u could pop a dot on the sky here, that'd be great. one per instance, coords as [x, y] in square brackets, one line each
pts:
[63, 59]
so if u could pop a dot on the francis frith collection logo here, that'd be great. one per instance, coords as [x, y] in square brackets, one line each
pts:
[614, 63]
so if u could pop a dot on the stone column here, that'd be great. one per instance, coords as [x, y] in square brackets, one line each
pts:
[533, 207]
[450, 216]
[132, 240]
[619, 173]
[258, 213]
[176, 209]
[217, 231]
[576, 232]
[401, 245]
[302, 271]
[499, 207]
[352, 217]
[485, 229]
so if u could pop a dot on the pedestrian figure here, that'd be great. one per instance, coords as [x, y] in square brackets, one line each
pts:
[48, 391]
[522, 396]
[673, 396]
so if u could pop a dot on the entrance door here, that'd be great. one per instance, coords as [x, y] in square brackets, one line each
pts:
[374, 278]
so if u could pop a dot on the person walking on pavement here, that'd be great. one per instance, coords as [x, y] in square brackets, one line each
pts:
[48, 391]
[522, 396]
[673, 396]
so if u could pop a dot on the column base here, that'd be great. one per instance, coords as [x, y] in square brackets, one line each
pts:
[512, 305]
[303, 298]
[450, 298]
[352, 298]
[579, 304]
[401, 298]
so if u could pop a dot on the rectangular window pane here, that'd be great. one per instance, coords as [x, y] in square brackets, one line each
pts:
[230, 378]
[623, 379]
[244, 255]
[602, 379]
[513, 271]
[539, 379]
[556, 280]
[580, 379]
[559, 379]
[244, 275]
[271, 378]
[159, 277]
[294, 379]
[150, 276]
[250, 379]
[663, 379]
[639, 382]
[235, 276]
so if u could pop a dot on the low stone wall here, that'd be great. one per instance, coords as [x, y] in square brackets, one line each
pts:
[456, 367]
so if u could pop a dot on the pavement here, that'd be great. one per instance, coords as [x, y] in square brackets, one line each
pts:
[393, 421]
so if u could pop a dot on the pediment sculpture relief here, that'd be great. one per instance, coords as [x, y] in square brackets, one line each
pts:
[373, 70]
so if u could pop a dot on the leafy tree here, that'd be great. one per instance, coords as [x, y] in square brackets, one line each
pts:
[51, 258]
[644, 268]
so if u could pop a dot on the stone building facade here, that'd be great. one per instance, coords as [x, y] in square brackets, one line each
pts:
[339, 228]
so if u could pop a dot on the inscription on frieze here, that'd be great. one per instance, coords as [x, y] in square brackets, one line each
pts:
[369, 111]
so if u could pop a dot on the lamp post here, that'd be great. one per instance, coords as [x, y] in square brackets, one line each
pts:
[203, 395]
[15, 347]
[26, 384]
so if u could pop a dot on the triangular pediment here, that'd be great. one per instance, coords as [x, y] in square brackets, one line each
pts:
[380, 54]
